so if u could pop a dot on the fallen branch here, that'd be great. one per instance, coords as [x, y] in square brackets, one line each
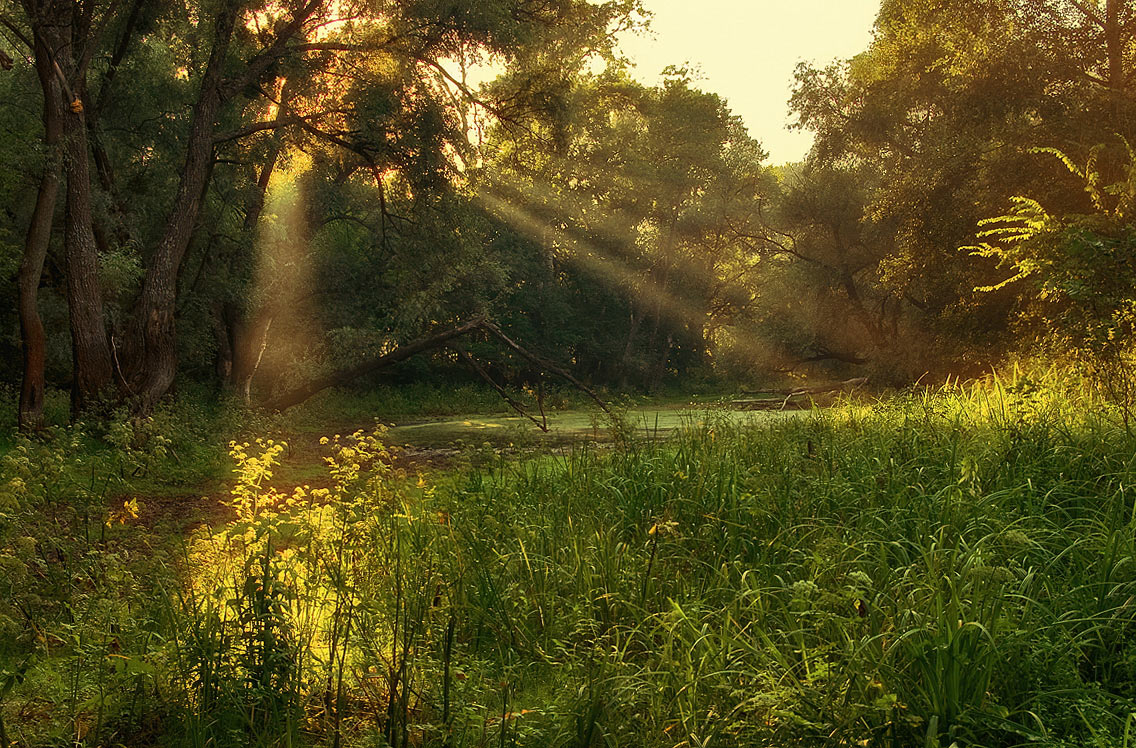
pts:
[303, 392]
[771, 404]
[826, 355]
[543, 426]
[299, 394]
[496, 332]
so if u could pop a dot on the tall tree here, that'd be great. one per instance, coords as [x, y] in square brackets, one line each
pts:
[942, 111]
[64, 37]
[34, 339]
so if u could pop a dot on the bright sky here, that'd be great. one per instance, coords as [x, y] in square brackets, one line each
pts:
[746, 51]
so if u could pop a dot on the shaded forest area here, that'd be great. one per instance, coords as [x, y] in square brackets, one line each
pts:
[257, 196]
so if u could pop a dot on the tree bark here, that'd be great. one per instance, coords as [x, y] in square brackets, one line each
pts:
[32, 390]
[1114, 45]
[152, 353]
[90, 349]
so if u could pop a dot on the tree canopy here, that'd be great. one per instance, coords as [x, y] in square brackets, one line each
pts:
[262, 194]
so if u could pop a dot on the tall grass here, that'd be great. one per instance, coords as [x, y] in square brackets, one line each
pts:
[938, 568]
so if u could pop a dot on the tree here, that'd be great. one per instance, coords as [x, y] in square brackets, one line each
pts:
[645, 197]
[1080, 272]
[32, 389]
[399, 114]
[941, 113]
[62, 39]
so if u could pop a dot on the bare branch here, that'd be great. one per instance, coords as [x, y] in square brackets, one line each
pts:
[496, 331]
[1089, 12]
[256, 127]
[500, 390]
[16, 32]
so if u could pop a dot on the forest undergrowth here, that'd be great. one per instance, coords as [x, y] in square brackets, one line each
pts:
[951, 566]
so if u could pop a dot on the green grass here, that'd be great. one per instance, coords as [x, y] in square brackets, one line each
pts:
[956, 567]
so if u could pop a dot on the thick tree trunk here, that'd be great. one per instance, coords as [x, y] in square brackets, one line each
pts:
[90, 350]
[872, 325]
[152, 357]
[93, 368]
[1114, 44]
[30, 415]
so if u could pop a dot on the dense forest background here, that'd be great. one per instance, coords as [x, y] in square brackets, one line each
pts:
[258, 195]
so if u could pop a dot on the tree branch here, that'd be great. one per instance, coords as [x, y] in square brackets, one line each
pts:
[501, 390]
[401, 353]
[1088, 11]
[264, 59]
[11, 26]
[496, 332]
[256, 127]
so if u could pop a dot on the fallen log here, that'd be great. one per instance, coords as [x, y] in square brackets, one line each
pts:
[772, 403]
[444, 338]
[299, 394]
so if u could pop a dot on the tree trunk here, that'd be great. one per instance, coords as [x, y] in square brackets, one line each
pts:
[659, 369]
[872, 325]
[250, 327]
[656, 328]
[1115, 47]
[90, 350]
[221, 331]
[93, 368]
[629, 348]
[662, 294]
[152, 357]
[30, 415]
[112, 228]
[250, 341]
